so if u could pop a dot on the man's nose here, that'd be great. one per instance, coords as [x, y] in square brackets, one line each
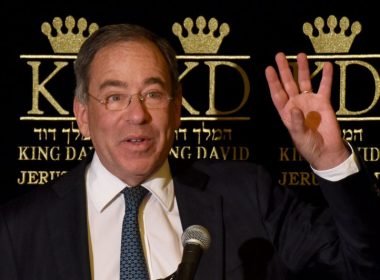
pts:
[140, 99]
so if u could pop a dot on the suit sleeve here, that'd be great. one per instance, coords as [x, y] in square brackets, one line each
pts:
[340, 240]
[354, 204]
[7, 265]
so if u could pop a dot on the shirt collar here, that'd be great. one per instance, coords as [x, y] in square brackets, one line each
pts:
[104, 187]
[161, 186]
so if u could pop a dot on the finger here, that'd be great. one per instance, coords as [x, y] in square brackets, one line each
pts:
[327, 80]
[286, 75]
[277, 92]
[304, 80]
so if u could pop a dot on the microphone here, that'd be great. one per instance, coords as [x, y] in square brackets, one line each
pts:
[195, 240]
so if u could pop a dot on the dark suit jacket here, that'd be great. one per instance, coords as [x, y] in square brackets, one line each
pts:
[259, 230]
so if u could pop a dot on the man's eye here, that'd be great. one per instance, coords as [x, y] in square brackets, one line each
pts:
[154, 95]
[114, 98]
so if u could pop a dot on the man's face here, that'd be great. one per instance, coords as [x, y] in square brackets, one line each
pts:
[134, 142]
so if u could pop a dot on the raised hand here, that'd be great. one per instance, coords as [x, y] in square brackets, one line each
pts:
[308, 116]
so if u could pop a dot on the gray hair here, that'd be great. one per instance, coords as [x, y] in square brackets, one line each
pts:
[110, 34]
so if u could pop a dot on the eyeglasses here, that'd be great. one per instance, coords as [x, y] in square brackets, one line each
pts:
[151, 100]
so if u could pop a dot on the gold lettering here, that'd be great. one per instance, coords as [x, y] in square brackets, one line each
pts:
[244, 153]
[185, 104]
[225, 151]
[22, 155]
[292, 178]
[72, 154]
[181, 152]
[212, 98]
[201, 152]
[370, 153]
[40, 177]
[39, 153]
[343, 73]
[83, 153]
[185, 152]
[289, 154]
[214, 153]
[38, 88]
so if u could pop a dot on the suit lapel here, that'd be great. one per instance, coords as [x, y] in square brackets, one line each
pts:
[198, 207]
[68, 227]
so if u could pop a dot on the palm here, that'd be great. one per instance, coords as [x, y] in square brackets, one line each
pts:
[309, 118]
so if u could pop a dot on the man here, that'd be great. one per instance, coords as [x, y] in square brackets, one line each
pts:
[128, 100]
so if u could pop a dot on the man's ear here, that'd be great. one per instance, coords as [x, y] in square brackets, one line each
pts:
[81, 115]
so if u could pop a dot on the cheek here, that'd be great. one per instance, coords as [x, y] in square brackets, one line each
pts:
[100, 125]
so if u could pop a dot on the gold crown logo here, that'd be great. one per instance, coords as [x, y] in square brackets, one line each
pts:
[68, 42]
[201, 42]
[332, 42]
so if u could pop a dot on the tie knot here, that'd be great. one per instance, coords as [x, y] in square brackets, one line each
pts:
[133, 197]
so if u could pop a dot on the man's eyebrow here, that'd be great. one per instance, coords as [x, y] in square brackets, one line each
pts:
[116, 83]
[154, 80]
[121, 84]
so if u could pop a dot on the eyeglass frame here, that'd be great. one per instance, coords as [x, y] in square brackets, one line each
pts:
[141, 97]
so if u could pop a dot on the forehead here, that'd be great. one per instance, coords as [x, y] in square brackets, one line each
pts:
[129, 60]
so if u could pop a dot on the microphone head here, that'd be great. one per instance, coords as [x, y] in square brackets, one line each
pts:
[196, 234]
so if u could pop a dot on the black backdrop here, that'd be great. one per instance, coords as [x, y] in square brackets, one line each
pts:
[40, 148]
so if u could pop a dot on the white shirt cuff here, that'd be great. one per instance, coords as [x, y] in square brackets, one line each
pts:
[343, 170]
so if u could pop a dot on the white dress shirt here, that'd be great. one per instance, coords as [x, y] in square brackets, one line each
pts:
[161, 223]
